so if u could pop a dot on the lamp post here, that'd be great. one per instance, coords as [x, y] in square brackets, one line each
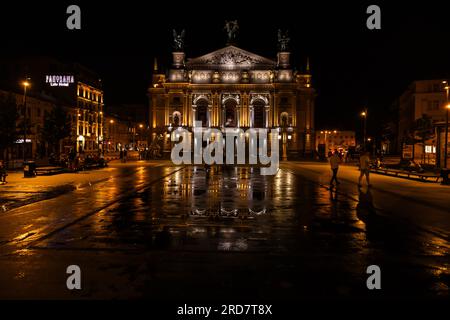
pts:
[140, 131]
[25, 84]
[111, 135]
[99, 133]
[447, 107]
[140, 139]
[364, 115]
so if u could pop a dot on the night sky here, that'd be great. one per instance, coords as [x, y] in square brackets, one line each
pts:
[352, 66]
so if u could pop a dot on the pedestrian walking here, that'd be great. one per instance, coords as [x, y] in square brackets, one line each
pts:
[72, 156]
[364, 168]
[121, 155]
[3, 172]
[334, 164]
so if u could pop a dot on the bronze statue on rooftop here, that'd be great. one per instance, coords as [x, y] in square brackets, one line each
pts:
[231, 27]
[178, 40]
[283, 41]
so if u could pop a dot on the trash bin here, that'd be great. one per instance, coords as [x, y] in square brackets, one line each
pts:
[29, 169]
[445, 176]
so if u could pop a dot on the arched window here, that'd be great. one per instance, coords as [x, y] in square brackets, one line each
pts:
[202, 111]
[258, 114]
[230, 113]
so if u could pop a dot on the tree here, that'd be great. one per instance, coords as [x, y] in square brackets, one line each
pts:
[423, 131]
[8, 118]
[56, 127]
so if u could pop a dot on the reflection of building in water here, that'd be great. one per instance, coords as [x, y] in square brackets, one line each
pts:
[236, 192]
[235, 88]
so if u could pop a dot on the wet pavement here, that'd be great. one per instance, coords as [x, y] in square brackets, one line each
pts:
[12, 198]
[181, 233]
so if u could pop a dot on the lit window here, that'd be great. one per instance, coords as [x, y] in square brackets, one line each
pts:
[430, 149]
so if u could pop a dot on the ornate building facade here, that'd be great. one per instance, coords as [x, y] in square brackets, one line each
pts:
[88, 122]
[54, 83]
[232, 87]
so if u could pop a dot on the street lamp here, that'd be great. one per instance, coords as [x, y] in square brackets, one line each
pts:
[447, 107]
[140, 137]
[111, 134]
[100, 137]
[364, 115]
[25, 84]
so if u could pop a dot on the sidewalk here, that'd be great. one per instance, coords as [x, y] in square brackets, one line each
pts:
[20, 191]
[425, 204]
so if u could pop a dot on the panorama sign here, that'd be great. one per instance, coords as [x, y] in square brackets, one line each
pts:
[59, 80]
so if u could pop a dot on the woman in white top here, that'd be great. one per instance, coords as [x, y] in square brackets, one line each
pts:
[364, 166]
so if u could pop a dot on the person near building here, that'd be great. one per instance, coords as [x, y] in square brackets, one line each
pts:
[364, 168]
[3, 173]
[334, 165]
[125, 153]
[121, 155]
[72, 156]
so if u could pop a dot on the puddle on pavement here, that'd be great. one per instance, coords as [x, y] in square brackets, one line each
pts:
[228, 209]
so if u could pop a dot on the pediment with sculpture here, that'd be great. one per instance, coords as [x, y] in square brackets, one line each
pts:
[229, 58]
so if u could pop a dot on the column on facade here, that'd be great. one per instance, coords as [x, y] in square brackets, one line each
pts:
[189, 110]
[238, 115]
[222, 121]
[166, 109]
[194, 114]
[275, 115]
[246, 110]
[209, 115]
[216, 113]
[184, 115]
[266, 110]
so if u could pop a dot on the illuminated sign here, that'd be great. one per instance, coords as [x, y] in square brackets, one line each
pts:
[59, 80]
[21, 141]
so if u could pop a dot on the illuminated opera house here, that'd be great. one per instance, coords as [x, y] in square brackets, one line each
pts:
[234, 88]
